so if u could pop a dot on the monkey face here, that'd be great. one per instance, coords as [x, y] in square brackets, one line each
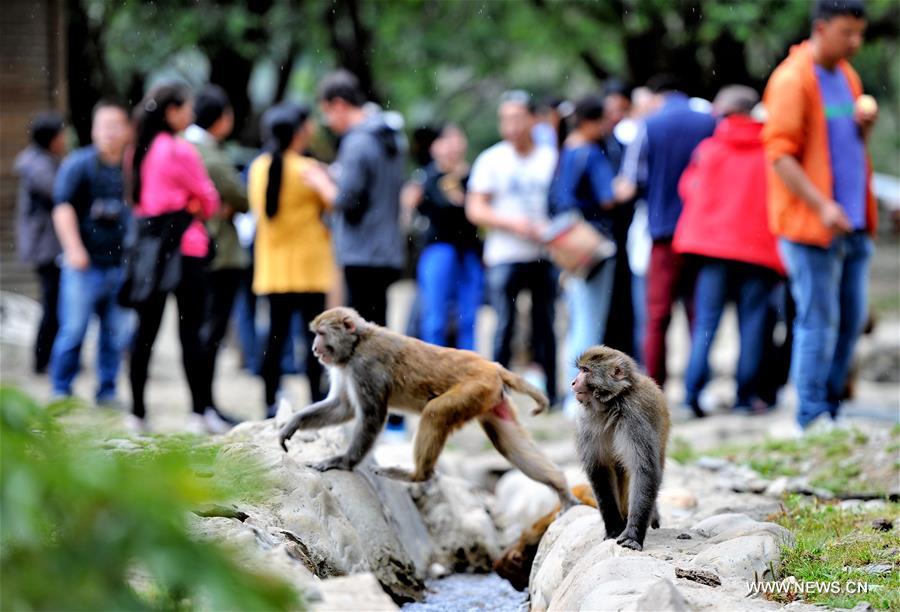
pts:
[337, 334]
[603, 373]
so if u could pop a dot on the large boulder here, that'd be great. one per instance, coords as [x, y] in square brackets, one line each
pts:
[341, 523]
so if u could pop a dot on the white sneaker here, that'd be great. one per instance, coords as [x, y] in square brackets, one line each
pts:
[196, 424]
[134, 425]
[841, 423]
[214, 423]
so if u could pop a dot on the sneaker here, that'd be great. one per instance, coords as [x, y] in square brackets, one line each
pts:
[196, 424]
[215, 422]
[134, 425]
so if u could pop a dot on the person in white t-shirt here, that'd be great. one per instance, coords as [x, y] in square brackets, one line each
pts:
[507, 194]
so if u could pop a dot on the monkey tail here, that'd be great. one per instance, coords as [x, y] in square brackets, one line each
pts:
[517, 383]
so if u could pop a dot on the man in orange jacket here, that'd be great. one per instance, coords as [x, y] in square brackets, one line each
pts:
[820, 203]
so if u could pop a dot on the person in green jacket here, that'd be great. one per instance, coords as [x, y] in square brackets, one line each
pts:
[213, 122]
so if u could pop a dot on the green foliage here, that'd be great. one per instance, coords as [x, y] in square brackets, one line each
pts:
[834, 544]
[88, 527]
[681, 450]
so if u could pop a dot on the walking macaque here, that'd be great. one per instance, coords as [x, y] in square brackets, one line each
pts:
[622, 435]
[371, 368]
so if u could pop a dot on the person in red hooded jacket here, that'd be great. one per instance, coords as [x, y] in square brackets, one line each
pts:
[724, 224]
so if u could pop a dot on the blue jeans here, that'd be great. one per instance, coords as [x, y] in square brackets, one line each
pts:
[589, 302]
[718, 282]
[829, 287]
[506, 281]
[83, 293]
[450, 282]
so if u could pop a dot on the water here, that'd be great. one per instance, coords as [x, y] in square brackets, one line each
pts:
[464, 592]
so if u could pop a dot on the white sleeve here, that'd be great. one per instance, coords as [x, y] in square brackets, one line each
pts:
[483, 178]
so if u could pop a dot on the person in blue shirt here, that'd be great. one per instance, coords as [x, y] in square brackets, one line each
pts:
[90, 217]
[663, 149]
[583, 183]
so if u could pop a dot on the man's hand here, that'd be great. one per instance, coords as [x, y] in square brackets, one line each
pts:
[624, 190]
[865, 112]
[316, 175]
[523, 228]
[834, 218]
[77, 258]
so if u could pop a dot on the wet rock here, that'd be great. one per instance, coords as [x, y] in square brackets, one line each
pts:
[462, 532]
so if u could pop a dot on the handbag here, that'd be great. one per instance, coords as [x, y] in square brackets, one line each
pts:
[153, 260]
[575, 246]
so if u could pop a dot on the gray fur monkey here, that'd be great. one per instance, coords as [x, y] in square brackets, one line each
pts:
[622, 435]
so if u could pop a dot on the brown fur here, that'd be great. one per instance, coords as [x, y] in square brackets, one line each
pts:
[622, 436]
[516, 561]
[372, 367]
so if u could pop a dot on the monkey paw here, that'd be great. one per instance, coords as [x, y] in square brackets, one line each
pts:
[626, 540]
[335, 463]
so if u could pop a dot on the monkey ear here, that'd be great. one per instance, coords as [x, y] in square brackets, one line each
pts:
[618, 372]
[349, 324]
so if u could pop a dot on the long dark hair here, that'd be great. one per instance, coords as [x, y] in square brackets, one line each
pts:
[281, 124]
[150, 121]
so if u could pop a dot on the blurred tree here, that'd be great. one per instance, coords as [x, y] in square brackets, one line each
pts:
[435, 59]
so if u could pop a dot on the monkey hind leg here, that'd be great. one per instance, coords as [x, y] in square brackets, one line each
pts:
[441, 417]
[654, 518]
[514, 443]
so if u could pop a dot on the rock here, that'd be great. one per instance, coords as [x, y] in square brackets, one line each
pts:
[684, 536]
[662, 596]
[578, 533]
[437, 571]
[609, 577]
[258, 550]
[698, 575]
[778, 487]
[748, 557]
[352, 593]
[863, 606]
[851, 505]
[347, 522]
[519, 502]
[713, 464]
[877, 569]
[882, 524]
[719, 523]
[874, 505]
[678, 497]
[462, 532]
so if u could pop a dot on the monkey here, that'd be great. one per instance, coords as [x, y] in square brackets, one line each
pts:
[371, 367]
[515, 562]
[621, 440]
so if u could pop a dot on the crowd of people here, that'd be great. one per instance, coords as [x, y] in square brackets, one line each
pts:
[622, 202]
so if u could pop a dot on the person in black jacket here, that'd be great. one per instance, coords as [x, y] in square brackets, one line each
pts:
[450, 275]
[37, 244]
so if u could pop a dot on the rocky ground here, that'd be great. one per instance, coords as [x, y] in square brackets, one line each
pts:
[354, 541]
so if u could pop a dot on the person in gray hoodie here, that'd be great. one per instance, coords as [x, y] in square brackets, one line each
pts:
[36, 240]
[363, 186]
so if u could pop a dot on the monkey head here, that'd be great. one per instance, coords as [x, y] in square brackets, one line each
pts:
[337, 331]
[603, 373]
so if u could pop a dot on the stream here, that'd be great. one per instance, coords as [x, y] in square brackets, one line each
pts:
[463, 592]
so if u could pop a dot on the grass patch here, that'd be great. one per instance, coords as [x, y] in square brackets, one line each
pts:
[681, 450]
[833, 545]
[839, 461]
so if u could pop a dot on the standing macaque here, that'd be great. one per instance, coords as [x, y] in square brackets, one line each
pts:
[371, 368]
[622, 435]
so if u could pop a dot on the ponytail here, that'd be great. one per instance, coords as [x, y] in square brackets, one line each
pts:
[281, 124]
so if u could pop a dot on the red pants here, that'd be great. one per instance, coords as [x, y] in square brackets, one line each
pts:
[668, 279]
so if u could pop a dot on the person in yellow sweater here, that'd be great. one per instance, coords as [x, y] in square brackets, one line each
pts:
[293, 261]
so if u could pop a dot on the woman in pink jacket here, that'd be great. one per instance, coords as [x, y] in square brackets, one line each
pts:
[168, 176]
